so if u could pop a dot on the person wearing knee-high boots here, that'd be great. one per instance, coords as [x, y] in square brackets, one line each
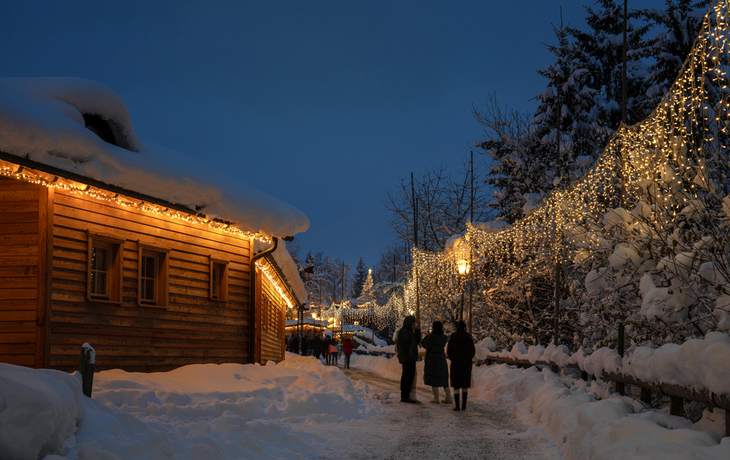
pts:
[435, 369]
[460, 351]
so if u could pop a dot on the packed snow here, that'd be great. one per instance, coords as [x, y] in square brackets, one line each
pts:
[42, 119]
[234, 411]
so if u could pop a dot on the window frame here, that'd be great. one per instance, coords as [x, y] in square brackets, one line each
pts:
[161, 289]
[222, 281]
[114, 279]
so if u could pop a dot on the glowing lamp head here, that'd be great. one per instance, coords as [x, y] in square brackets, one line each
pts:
[462, 266]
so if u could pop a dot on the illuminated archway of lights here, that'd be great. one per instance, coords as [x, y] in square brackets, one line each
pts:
[674, 161]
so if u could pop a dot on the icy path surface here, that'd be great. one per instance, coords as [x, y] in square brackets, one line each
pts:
[430, 431]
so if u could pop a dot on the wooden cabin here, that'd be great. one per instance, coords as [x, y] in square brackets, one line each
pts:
[149, 284]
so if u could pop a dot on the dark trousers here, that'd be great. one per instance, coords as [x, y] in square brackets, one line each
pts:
[347, 361]
[406, 379]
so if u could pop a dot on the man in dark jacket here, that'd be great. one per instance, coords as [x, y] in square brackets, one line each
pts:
[460, 351]
[317, 346]
[409, 337]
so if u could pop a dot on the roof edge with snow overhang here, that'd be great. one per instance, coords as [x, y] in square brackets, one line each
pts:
[80, 130]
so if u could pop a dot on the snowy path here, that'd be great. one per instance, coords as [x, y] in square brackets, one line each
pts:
[430, 431]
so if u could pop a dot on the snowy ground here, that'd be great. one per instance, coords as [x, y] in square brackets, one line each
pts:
[303, 409]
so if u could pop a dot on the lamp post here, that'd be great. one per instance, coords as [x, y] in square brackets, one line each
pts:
[462, 267]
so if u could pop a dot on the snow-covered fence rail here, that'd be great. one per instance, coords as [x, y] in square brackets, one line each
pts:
[697, 370]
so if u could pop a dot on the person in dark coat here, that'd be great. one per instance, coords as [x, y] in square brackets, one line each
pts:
[317, 346]
[294, 344]
[407, 349]
[326, 349]
[460, 351]
[435, 369]
[305, 345]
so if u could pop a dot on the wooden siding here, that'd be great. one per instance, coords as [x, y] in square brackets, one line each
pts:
[190, 328]
[20, 277]
[271, 313]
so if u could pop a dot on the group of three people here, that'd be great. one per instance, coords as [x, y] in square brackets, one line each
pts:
[459, 348]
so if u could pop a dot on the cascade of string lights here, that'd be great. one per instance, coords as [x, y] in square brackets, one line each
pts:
[676, 158]
[8, 169]
[270, 275]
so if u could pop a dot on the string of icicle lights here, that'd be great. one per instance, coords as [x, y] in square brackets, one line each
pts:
[272, 277]
[20, 173]
[658, 168]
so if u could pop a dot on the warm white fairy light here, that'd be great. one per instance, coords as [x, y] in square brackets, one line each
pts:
[666, 167]
[13, 171]
[274, 280]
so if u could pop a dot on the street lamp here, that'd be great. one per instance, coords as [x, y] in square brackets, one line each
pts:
[462, 267]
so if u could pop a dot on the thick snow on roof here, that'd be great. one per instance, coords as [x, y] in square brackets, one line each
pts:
[42, 119]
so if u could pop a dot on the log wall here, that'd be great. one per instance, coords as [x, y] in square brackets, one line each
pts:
[23, 276]
[191, 328]
[272, 313]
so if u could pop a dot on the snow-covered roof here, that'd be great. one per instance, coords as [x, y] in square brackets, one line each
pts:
[43, 120]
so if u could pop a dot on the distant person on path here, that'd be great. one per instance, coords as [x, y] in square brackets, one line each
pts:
[304, 346]
[460, 351]
[347, 347]
[334, 352]
[317, 346]
[326, 349]
[407, 350]
[435, 369]
[294, 344]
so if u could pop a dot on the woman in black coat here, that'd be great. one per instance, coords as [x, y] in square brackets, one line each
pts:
[435, 370]
[460, 351]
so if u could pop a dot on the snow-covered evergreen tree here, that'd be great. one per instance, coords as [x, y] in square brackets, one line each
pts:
[366, 293]
[358, 279]
[679, 25]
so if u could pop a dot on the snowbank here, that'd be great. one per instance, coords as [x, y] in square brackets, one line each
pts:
[39, 411]
[42, 119]
[200, 411]
[588, 428]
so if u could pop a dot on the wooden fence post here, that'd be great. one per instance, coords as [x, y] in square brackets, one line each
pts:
[86, 368]
[620, 385]
[676, 406]
[646, 395]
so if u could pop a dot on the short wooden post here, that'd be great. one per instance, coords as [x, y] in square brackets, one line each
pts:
[620, 385]
[676, 406]
[646, 395]
[86, 368]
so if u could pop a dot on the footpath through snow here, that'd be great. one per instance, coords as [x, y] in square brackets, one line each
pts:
[303, 409]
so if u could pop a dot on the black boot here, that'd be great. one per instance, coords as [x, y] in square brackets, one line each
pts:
[456, 400]
[463, 401]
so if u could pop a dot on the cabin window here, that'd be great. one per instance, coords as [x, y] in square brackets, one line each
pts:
[218, 280]
[152, 276]
[104, 267]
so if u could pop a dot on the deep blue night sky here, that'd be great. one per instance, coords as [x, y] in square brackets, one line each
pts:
[324, 104]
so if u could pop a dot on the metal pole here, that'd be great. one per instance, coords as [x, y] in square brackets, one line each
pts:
[620, 385]
[461, 308]
[415, 247]
[556, 320]
[623, 108]
[471, 266]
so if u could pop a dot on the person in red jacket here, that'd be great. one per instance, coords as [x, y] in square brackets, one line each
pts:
[347, 347]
